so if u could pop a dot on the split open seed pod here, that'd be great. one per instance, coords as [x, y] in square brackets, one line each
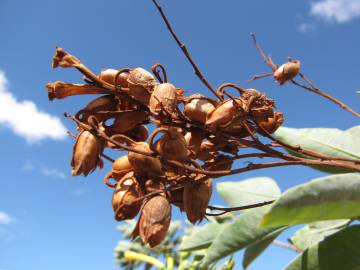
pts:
[139, 133]
[172, 145]
[60, 90]
[155, 220]
[287, 71]
[198, 107]
[109, 76]
[123, 121]
[193, 140]
[125, 200]
[86, 153]
[141, 84]
[163, 99]
[196, 199]
[176, 197]
[219, 163]
[270, 123]
[120, 167]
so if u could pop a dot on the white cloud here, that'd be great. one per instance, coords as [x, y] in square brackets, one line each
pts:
[5, 219]
[25, 119]
[336, 10]
[53, 173]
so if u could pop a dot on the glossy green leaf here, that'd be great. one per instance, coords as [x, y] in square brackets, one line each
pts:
[339, 251]
[249, 191]
[328, 141]
[238, 235]
[254, 250]
[201, 237]
[315, 232]
[326, 198]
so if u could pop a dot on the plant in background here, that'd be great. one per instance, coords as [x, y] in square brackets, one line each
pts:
[200, 143]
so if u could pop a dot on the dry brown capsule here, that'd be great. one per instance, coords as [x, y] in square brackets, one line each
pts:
[125, 200]
[196, 199]
[154, 220]
[120, 167]
[171, 145]
[163, 99]
[109, 76]
[219, 163]
[124, 121]
[193, 141]
[139, 133]
[269, 123]
[86, 153]
[287, 71]
[197, 108]
[141, 84]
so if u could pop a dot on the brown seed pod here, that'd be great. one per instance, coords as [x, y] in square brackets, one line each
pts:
[219, 163]
[125, 200]
[141, 84]
[64, 59]
[139, 133]
[152, 185]
[225, 113]
[197, 108]
[196, 199]
[193, 141]
[120, 167]
[163, 99]
[86, 153]
[154, 220]
[109, 76]
[124, 120]
[176, 197]
[207, 151]
[171, 145]
[144, 166]
[287, 71]
[270, 123]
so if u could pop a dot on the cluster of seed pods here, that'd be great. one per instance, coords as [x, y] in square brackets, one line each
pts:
[192, 130]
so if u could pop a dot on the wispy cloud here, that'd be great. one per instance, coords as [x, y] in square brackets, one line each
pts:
[25, 119]
[5, 218]
[336, 10]
[53, 172]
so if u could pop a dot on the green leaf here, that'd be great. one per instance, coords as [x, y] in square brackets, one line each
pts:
[328, 141]
[326, 198]
[201, 237]
[358, 92]
[249, 191]
[313, 233]
[238, 235]
[339, 251]
[254, 250]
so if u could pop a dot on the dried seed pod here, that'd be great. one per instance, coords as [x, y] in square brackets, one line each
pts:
[287, 71]
[120, 167]
[64, 59]
[124, 120]
[86, 153]
[125, 200]
[109, 76]
[207, 151]
[163, 99]
[196, 199]
[193, 141]
[141, 84]
[60, 90]
[270, 123]
[197, 108]
[176, 197]
[154, 220]
[219, 163]
[139, 133]
[152, 185]
[225, 113]
[171, 145]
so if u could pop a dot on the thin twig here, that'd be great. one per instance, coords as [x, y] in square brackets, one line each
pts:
[185, 51]
[233, 209]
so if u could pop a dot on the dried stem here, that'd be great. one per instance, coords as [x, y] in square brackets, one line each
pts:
[185, 51]
[233, 209]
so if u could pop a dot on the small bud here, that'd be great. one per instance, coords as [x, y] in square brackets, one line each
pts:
[196, 199]
[64, 59]
[154, 220]
[287, 71]
[86, 153]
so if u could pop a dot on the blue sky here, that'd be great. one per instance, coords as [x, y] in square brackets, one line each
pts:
[49, 220]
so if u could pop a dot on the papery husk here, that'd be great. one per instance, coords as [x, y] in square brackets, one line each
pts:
[153, 185]
[145, 166]
[139, 133]
[271, 124]
[196, 199]
[219, 163]
[197, 108]
[163, 99]
[86, 153]
[120, 167]
[108, 75]
[193, 140]
[287, 71]
[155, 220]
[60, 90]
[176, 197]
[101, 104]
[64, 59]
[125, 200]
[141, 84]
[124, 120]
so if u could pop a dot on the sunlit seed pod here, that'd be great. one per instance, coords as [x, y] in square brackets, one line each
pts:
[139, 133]
[196, 199]
[109, 75]
[120, 167]
[176, 197]
[197, 108]
[86, 153]
[125, 200]
[219, 163]
[155, 220]
[225, 113]
[153, 185]
[193, 141]
[287, 71]
[141, 84]
[271, 124]
[163, 99]
[207, 151]
[171, 145]
[125, 121]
